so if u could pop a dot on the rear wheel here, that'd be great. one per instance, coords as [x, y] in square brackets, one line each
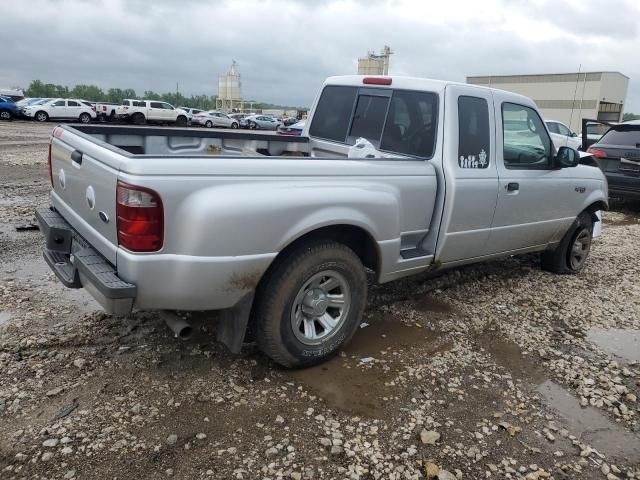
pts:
[41, 116]
[571, 254]
[181, 121]
[5, 115]
[253, 125]
[310, 304]
[234, 125]
[209, 124]
[138, 118]
[84, 118]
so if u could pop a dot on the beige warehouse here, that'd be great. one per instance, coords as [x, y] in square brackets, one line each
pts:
[567, 97]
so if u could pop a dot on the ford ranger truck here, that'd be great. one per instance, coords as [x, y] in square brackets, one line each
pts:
[277, 232]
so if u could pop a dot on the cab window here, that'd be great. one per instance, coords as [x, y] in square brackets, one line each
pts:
[526, 143]
[473, 132]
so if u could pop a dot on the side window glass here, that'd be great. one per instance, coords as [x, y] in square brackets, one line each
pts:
[71, 103]
[526, 142]
[59, 103]
[473, 132]
[562, 130]
[156, 105]
[553, 127]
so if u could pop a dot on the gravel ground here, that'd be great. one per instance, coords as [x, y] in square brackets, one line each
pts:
[497, 370]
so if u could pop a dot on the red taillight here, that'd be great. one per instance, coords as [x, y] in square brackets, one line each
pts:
[376, 81]
[93, 109]
[50, 166]
[596, 153]
[140, 218]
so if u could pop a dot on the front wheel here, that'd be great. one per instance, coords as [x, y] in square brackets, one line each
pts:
[84, 118]
[181, 121]
[138, 119]
[41, 116]
[253, 125]
[5, 115]
[208, 124]
[234, 125]
[310, 304]
[571, 254]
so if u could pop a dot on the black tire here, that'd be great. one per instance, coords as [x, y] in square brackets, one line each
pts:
[234, 125]
[208, 124]
[570, 256]
[84, 118]
[181, 121]
[253, 125]
[41, 116]
[5, 114]
[273, 313]
[138, 118]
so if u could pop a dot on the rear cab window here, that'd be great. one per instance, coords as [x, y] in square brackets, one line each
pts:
[474, 137]
[395, 121]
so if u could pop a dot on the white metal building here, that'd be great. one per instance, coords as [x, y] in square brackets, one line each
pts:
[567, 97]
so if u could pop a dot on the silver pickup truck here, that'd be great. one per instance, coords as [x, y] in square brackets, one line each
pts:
[277, 232]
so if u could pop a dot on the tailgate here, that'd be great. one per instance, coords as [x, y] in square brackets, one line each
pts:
[85, 176]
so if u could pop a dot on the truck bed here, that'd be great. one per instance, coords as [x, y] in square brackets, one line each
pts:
[160, 141]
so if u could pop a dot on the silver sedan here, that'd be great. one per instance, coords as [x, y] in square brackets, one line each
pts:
[214, 119]
[262, 122]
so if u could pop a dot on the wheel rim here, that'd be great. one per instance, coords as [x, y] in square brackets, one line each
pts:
[209, 125]
[5, 115]
[320, 307]
[41, 117]
[84, 118]
[580, 249]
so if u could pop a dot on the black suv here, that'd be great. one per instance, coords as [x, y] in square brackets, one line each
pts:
[618, 154]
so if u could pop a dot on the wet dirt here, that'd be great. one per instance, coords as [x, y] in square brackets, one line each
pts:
[621, 343]
[431, 304]
[354, 387]
[591, 426]
[588, 424]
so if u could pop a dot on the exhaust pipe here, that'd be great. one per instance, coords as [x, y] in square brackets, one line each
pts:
[180, 328]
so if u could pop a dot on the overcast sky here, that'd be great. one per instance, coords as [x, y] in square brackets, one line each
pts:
[285, 48]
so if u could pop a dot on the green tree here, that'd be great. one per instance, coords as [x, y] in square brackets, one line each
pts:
[630, 116]
[88, 92]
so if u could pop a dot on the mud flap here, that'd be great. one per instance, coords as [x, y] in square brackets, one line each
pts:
[232, 324]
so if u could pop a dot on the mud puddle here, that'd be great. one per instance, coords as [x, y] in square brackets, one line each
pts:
[4, 317]
[588, 424]
[619, 342]
[430, 304]
[34, 271]
[359, 381]
[591, 426]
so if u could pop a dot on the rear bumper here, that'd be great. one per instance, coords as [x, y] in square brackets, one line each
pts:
[623, 186]
[78, 265]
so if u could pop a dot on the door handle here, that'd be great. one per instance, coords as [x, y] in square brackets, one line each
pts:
[513, 187]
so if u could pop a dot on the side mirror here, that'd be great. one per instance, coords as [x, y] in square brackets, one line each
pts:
[573, 134]
[567, 157]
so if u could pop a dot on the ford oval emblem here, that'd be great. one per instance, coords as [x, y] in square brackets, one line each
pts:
[62, 179]
[91, 197]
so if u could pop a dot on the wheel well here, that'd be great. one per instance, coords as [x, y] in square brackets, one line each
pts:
[356, 238]
[594, 207]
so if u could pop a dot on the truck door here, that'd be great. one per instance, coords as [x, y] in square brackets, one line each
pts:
[471, 176]
[535, 201]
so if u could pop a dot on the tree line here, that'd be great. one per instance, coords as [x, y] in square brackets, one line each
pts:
[38, 88]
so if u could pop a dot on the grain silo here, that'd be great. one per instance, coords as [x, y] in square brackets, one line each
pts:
[374, 64]
[229, 90]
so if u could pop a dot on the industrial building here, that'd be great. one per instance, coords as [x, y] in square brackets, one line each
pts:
[567, 97]
[374, 64]
[229, 90]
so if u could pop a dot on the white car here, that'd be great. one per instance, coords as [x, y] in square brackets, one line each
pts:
[214, 119]
[142, 111]
[61, 109]
[562, 136]
[262, 121]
